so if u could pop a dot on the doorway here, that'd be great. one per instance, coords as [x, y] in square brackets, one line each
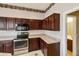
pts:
[70, 34]
[73, 33]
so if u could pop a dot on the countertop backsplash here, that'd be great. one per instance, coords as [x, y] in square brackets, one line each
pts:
[13, 33]
[8, 33]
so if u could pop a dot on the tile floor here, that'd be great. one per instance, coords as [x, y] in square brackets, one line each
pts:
[33, 53]
[69, 53]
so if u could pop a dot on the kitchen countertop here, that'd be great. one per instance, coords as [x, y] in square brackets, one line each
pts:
[2, 38]
[46, 38]
[6, 38]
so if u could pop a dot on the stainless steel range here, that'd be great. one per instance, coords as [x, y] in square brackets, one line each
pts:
[21, 43]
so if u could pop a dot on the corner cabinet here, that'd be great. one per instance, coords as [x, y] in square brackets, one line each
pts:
[52, 22]
[50, 49]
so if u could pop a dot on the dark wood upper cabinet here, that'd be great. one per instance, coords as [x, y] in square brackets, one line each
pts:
[18, 21]
[3, 23]
[35, 24]
[52, 22]
[56, 21]
[25, 21]
[44, 24]
[10, 23]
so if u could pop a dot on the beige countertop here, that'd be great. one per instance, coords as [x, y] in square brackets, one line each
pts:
[46, 38]
[6, 38]
[5, 54]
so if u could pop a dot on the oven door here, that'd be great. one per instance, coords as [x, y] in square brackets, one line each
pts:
[20, 44]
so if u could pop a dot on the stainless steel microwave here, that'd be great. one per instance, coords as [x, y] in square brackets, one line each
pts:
[22, 27]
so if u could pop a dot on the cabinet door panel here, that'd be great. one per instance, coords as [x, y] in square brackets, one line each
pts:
[33, 44]
[25, 21]
[8, 47]
[3, 23]
[51, 23]
[35, 24]
[45, 49]
[18, 21]
[57, 21]
[1, 46]
[44, 24]
[10, 23]
[42, 45]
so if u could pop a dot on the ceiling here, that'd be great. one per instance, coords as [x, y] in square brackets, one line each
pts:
[76, 13]
[35, 7]
[39, 6]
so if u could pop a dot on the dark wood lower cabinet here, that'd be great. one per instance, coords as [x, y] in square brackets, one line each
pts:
[6, 46]
[52, 49]
[1, 47]
[33, 44]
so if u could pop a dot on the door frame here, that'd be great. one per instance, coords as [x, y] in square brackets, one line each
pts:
[74, 33]
[65, 31]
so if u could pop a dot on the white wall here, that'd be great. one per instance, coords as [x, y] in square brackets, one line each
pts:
[6, 12]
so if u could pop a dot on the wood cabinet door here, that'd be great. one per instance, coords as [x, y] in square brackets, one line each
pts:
[53, 49]
[47, 23]
[42, 45]
[44, 25]
[33, 44]
[31, 25]
[51, 23]
[39, 24]
[25, 21]
[45, 48]
[8, 46]
[18, 21]
[1, 46]
[57, 22]
[35, 24]
[3, 23]
[10, 23]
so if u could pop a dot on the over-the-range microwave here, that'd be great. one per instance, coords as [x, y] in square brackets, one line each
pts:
[22, 27]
